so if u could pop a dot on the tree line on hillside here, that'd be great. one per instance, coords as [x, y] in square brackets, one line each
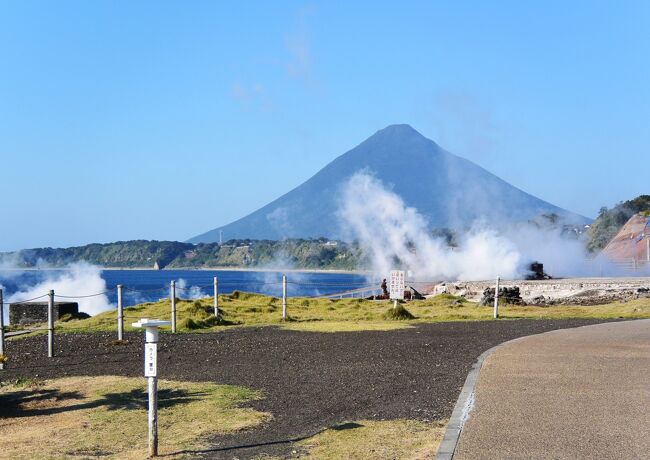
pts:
[609, 221]
[319, 253]
[299, 253]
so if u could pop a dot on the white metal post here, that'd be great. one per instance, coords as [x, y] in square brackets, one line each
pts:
[50, 325]
[151, 372]
[496, 300]
[2, 329]
[151, 337]
[120, 314]
[284, 296]
[152, 416]
[216, 297]
[173, 299]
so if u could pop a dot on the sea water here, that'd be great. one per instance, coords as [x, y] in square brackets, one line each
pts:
[141, 286]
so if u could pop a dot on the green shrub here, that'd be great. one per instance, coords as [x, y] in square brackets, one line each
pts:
[70, 316]
[192, 324]
[199, 310]
[398, 313]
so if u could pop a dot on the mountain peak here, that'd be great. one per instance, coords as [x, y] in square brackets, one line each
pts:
[400, 137]
[398, 130]
[448, 191]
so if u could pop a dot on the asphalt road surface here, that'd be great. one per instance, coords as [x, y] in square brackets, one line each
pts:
[310, 380]
[579, 393]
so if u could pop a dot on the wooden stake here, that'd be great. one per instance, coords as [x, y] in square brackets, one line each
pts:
[50, 325]
[496, 300]
[120, 314]
[284, 297]
[173, 299]
[216, 297]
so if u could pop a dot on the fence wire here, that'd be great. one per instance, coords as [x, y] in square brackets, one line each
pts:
[81, 296]
[27, 300]
[298, 302]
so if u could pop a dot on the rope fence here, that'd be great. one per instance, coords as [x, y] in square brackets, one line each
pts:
[293, 294]
[277, 288]
[29, 300]
[80, 296]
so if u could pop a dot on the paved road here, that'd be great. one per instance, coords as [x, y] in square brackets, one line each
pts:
[577, 393]
[310, 381]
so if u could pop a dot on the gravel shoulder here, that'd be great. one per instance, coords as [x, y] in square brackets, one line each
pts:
[310, 381]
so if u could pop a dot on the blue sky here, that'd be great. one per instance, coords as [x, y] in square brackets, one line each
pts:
[161, 120]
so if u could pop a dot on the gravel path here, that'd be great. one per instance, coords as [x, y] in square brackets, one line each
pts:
[310, 380]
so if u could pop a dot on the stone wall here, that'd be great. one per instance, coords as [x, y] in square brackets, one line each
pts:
[36, 312]
[582, 291]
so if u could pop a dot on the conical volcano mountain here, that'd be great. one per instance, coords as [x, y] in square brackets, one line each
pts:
[447, 190]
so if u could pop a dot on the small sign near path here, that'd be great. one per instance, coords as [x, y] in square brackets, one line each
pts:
[150, 360]
[397, 285]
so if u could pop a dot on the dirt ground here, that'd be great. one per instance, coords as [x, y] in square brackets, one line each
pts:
[310, 381]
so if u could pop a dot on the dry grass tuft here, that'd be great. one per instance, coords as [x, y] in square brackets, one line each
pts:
[398, 313]
[367, 439]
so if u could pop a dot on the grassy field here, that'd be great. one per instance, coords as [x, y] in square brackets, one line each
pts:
[88, 417]
[325, 315]
[369, 439]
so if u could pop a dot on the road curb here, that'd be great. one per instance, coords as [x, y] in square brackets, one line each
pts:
[465, 402]
[463, 407]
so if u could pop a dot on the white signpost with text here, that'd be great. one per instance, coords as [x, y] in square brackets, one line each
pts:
[151, 372]
[396, 287]
[150, 359]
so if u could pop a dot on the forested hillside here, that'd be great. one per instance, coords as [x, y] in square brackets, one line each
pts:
[610, 221]
[296, 253]
[318, 253]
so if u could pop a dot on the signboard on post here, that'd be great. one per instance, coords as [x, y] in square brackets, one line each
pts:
[150, 359]
[396, 285]
[150, 371]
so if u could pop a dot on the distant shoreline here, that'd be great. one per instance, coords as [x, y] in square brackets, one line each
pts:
[221, 269]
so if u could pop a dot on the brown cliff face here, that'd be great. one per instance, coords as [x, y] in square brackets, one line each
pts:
[632, 242]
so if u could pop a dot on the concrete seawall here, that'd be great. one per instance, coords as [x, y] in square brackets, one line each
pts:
[575, 290]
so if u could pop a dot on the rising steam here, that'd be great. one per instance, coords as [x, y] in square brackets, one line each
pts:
[395, 235]
[78, 279]
[191, 292]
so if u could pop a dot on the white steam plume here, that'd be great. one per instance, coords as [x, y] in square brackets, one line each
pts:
[396, 235]
[78, 279]
[192, 292]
